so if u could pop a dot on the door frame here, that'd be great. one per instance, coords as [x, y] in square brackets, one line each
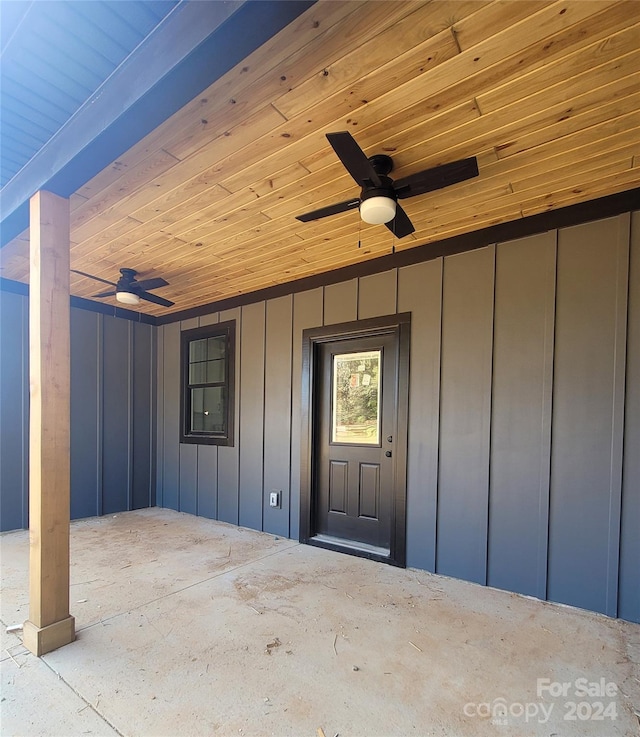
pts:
[400, 326]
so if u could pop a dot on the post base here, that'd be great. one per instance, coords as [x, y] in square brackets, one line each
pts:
[42, 640]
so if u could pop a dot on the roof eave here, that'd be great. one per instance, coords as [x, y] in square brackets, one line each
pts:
[193, 47]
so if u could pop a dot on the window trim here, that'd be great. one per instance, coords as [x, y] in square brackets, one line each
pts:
[227, 329]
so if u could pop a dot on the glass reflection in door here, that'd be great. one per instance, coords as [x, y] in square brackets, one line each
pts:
[355, 408]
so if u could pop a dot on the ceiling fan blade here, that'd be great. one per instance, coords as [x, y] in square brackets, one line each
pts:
[436, 178]
[105, 294]
[156, 299]
[152, 283]
[324, 212]
[354, 158]
[91, 276]
[400, 226]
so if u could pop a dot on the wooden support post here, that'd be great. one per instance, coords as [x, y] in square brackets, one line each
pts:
[49, 625]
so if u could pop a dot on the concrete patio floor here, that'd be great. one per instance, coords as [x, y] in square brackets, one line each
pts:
[192, 627]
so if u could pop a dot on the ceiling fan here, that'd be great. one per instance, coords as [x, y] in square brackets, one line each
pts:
[378, 200]
[129, 291]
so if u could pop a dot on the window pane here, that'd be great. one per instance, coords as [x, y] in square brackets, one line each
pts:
[216, 347]
[215, 371]
[198, 350]
[356, 398]
[208, 409]
[198, 373]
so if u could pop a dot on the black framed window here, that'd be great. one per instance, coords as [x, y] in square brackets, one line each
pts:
[207, 360]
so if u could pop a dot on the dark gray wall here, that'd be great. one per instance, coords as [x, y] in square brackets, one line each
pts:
[524, 421]
[522, 379]
[14, 410]
[629, 589]
[465, 415]
[113, 407]
[588, 414]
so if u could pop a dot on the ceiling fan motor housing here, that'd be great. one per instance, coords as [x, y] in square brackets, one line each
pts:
[127, 280]
[127, 287]
[382, 164]
[378, 204]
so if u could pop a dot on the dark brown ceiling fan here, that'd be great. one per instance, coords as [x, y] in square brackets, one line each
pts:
[129, 291]
[379, 195]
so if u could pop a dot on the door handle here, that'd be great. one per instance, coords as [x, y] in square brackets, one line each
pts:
[388, 453]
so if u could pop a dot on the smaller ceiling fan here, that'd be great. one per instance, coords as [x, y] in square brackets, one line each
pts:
[379, 195]
[129, 291]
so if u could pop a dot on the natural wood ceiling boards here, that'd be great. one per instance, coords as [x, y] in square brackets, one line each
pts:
[545, 94]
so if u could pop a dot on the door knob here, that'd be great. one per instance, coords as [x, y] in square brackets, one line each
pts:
[388, 453]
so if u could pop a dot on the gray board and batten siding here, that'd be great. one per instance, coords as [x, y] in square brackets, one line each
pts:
[113, 407]
[524, 421]
[524, 418]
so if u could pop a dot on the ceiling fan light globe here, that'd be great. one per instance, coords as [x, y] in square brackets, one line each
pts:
[377, 210]
[127, 298]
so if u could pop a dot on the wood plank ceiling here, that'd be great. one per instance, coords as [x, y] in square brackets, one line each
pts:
[545, 94]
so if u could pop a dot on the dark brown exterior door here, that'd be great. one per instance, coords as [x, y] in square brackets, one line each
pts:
[356, 387]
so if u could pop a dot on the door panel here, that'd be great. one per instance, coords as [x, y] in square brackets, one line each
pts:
[356, 383]
[369, 490]
[338, 486]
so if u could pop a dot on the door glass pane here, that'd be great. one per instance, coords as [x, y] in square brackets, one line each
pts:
[356, 398]
[208, 409]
